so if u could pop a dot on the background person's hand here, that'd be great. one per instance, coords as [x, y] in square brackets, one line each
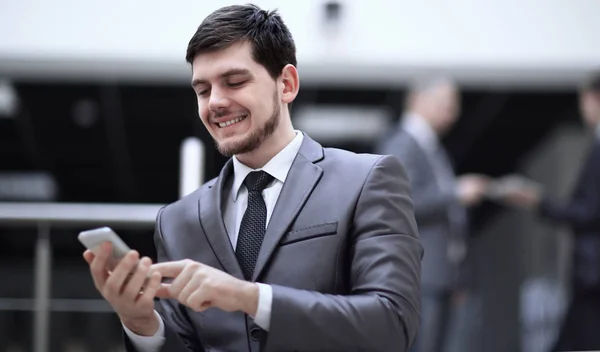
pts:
[517, 191]
[522, 197]
[459, 297]
[128, 289]
[472, 188]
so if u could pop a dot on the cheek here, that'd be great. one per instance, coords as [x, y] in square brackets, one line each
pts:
[259, 108]
[596, 108]
[202, 109]
[586, 110]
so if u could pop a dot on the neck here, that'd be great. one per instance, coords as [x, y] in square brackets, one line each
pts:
[424, 118]
[270, 147]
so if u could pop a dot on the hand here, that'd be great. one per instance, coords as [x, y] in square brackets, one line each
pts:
[200, 287]
[459, 297]
[521, 197]
[472, 188]
[127, 288]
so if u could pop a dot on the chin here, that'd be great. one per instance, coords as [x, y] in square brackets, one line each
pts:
[238, 144]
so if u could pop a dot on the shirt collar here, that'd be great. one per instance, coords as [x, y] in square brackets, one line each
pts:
[278, 166]
[419, 129]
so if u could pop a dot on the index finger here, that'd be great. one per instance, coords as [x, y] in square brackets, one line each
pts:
[169, 269]
[88, 256]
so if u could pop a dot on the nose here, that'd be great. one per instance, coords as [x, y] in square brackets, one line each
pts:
[217, 101]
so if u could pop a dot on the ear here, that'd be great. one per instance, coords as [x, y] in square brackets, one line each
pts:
[290, 82]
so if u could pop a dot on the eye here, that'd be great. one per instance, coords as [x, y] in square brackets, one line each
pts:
[236, 84]
[203, 92]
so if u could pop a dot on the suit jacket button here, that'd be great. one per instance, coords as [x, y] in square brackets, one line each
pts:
[255, 334]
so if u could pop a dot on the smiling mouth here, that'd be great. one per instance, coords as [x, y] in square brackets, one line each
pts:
[231, 122]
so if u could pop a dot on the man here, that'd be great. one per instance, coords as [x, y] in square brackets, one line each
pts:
[337, 267]
[582, 214]
[440, 200]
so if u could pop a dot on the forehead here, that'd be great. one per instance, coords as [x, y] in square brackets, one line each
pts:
[590, 94]
[442, 91]
[588, 99]
[448, 88]
[211, 65]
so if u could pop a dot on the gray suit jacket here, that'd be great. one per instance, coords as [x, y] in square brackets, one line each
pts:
[432, 205]
[341, 252]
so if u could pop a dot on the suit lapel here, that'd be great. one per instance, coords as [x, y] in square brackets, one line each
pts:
[299, 184]
[211, 220]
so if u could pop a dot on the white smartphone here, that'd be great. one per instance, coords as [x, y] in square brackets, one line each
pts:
[92, 239]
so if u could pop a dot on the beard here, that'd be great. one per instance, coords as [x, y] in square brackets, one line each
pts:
[256, 137]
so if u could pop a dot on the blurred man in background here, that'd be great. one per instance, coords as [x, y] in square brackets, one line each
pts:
[581, 327]
[440, 199]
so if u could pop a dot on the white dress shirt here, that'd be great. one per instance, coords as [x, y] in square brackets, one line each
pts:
[235, 206]
[428, 140]
[421, 131]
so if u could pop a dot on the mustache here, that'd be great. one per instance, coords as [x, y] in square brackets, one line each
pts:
[222, 113]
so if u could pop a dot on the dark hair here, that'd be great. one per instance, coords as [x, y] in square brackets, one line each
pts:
[592, 83]
[272, 43]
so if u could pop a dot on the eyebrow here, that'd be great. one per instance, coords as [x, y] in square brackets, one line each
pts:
[228, 73]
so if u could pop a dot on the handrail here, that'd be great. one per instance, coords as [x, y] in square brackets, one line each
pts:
[79, 214]
[46, 215]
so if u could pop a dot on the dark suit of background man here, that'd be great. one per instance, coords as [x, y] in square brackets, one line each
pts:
[581, 327]
[440, 201]
[293, 247]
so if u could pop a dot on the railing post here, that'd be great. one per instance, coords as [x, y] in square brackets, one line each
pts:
[191, 165]
[42, 293]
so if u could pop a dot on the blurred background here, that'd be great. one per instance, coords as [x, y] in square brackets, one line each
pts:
[95, 106]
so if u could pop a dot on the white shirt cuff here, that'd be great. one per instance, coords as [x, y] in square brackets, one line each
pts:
[265, 301]
[148, 343]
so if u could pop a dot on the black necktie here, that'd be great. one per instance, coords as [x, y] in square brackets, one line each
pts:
[254, 222]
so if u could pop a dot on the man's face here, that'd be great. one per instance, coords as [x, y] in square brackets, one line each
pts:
[445, 106]
[238, 100]
[589, 105]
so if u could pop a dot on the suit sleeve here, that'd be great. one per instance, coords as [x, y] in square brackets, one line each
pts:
[430, 202]
[582, 213]
[577, 214]
[381, 313]
[179, 334]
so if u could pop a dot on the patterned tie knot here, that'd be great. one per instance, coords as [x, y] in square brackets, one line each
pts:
[257, 181]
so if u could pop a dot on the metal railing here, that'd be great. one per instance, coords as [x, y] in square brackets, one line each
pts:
[83, 216]
[47, 215]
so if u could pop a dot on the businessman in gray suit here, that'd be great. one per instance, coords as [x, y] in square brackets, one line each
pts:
[293, 247]
[440, 201]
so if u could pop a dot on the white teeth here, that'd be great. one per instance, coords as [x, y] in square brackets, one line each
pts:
[231, 122]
